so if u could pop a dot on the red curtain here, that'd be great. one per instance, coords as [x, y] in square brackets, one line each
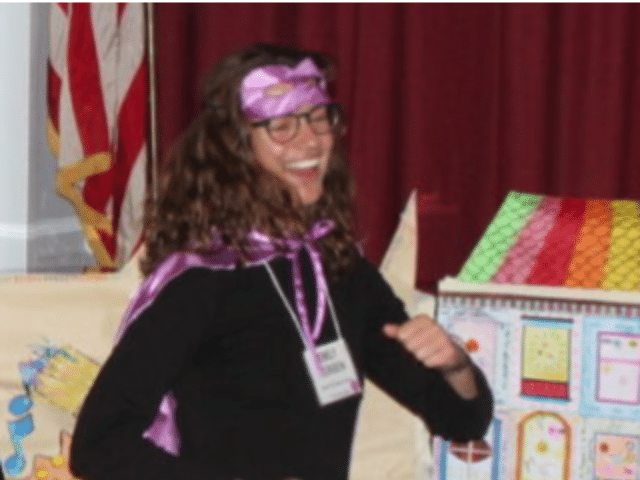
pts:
[463, 102]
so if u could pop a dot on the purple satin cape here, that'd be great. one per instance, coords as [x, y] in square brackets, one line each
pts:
[163, 431]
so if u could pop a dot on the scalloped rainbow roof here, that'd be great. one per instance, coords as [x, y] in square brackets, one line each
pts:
[572, 242]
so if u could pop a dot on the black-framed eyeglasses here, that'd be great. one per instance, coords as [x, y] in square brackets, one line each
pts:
[322, 119]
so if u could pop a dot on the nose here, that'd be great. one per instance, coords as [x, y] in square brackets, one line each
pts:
[306, 136]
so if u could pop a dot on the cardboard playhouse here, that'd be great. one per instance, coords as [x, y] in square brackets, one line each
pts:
[548, 305]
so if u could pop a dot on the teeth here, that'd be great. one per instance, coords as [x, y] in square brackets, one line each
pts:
[303, 164]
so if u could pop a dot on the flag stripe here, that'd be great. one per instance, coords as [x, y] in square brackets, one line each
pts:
[54, 86]
[121, 9]
[132, 208]
[108, 48]
[84, 82]
[133, 126]
[132, 42]
[71, 149]
[58, 36]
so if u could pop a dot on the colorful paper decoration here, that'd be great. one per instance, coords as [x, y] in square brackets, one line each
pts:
[541, 240]
[61, 376]
[56, 467]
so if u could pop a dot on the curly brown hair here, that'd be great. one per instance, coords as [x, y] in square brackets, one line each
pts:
[212, 182]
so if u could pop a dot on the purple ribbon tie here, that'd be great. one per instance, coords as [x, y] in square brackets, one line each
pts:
[293, 248]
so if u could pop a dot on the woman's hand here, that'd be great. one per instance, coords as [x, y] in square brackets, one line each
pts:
[433, 346]
[428, 342]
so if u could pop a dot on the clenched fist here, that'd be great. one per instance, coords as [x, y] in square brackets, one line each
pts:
[429, 343]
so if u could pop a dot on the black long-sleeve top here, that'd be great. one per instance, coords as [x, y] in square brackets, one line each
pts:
[223, 342]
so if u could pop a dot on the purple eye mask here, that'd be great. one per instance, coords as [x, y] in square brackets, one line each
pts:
[275, 90]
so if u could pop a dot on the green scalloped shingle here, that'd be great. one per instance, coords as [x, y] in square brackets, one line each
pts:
[487, 256]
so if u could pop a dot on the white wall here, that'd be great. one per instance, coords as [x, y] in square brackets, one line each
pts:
[38, 230]
[15, 28]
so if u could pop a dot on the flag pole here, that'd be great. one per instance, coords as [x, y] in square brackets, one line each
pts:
[153, 107]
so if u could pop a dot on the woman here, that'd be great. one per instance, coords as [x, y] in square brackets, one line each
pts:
[244, 351]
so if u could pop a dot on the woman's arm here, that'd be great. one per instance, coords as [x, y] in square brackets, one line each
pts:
[457, 405]
[150, 357]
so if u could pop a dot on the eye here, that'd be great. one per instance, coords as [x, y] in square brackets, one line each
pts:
[320, 115]
[284, 123]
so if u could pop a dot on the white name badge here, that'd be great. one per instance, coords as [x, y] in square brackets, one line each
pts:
[336, 378]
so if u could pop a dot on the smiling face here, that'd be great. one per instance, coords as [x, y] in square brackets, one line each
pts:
[301, 162]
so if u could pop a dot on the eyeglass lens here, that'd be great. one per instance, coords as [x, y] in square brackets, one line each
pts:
[321, 120]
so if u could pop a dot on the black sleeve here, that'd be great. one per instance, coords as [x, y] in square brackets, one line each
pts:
[107, 442]
[422, 390]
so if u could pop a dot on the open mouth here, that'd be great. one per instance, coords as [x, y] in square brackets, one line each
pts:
[305, 170]
[303, 165]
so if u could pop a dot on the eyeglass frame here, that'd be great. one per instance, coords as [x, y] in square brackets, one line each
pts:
[331, 107]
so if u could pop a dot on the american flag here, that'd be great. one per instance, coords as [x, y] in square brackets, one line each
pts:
[98, 116]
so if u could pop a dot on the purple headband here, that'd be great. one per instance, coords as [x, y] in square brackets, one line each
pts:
[274, 90]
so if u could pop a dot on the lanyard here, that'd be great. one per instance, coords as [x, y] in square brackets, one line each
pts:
[307, 339]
